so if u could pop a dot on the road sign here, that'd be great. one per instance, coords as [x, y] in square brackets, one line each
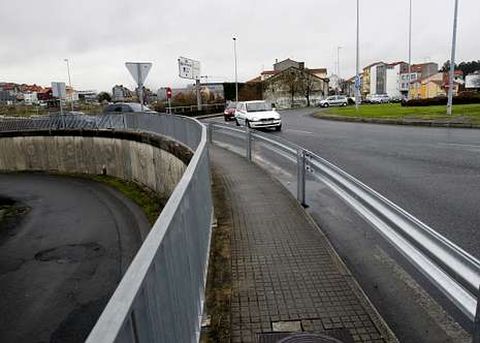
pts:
[188, 69]
[139, 71]
[59, 90]
[358, 82]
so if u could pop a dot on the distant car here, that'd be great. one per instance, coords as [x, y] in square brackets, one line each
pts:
[126, 107]
[379, 99]
[334, 100]
[257, 114]
[396, 98]
[229, 113]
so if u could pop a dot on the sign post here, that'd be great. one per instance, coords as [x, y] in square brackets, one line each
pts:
[139, 72]
[169, 96]
[59, 91]
[190, 69]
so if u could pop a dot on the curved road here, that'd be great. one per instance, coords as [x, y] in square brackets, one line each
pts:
[61, 263]
[434, 173]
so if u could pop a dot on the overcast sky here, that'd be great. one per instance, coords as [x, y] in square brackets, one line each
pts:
[99, 36]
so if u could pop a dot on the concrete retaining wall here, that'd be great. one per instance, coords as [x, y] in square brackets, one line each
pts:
[154, 161]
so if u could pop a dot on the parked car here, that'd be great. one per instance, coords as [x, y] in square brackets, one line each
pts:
[334, 100]
[397, 98]
[126, 107]
[229, 112]
[379, 99]
[257, 114]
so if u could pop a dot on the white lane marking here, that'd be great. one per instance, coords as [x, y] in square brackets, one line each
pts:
[433, 309]
[300, 131]
[462, 145]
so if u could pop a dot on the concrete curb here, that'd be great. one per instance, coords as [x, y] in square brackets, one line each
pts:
[424, 123]
[206, 116]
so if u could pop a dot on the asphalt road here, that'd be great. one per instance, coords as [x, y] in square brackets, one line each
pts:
[433, 173]
[61, 263]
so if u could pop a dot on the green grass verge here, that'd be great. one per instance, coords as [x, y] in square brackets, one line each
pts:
[468, 114]
[151, 203]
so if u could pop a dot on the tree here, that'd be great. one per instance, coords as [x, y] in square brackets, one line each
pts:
[292, 83]
[465, 67]
[104, 96]
[307, 85]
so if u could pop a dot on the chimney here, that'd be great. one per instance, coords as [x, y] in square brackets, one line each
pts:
[276, 60]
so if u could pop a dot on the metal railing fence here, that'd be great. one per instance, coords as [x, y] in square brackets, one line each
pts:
[160, 298]
[452, 270]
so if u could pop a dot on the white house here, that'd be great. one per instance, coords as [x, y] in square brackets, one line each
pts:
[393, 80]
[30, 98]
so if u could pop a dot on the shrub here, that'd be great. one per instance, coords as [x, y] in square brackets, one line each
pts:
[461, 99]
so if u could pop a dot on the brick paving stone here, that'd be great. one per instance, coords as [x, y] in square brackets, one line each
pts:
[283, 268]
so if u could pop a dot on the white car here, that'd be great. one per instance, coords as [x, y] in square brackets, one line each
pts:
[334, 100]
[257, 114]
[380, 99]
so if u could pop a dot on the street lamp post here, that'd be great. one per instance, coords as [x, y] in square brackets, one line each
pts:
[357, 76]
[338, 67]
[409, 49]
[236, 75]
[69, 82]
[452, 61]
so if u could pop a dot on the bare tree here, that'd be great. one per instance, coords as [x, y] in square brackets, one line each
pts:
[307, 85]
[291, 82]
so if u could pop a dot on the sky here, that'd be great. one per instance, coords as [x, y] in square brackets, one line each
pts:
[99, 36]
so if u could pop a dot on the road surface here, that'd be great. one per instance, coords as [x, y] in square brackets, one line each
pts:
[434, 173]
[61, 263]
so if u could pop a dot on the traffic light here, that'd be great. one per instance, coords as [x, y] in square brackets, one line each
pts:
[169, 93]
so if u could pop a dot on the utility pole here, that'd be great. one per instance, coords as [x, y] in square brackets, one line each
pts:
[69, 82]
[236, 75]
[409, 49]
[338, 67]
[357, 77]
[452, 61]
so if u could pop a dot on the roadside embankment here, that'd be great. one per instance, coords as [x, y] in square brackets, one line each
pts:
[151, 160]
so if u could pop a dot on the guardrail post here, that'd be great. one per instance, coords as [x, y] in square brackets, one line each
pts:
[476, 323]
[210, 133]
[248, 137]
[301, 177]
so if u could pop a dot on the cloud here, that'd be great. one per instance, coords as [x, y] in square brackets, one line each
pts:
[100, 36]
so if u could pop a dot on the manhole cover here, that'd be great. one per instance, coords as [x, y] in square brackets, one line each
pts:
[284, 337]
[308, 338]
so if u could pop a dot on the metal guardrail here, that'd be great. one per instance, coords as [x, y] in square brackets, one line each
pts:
[452, 270]
[194, 108]
[160, 298]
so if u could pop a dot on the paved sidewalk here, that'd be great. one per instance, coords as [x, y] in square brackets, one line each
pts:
[285, 274]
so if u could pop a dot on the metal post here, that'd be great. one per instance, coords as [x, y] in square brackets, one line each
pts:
[338, 67]
[69, 82]
[452, 61]
[61, 106]
[199, 98]
[210, 133]
[301, 176]
[248, 137]
[409, 49]
[236, 75]
[357, 85]
[169, 106]
[140, 86]
[476, 323]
